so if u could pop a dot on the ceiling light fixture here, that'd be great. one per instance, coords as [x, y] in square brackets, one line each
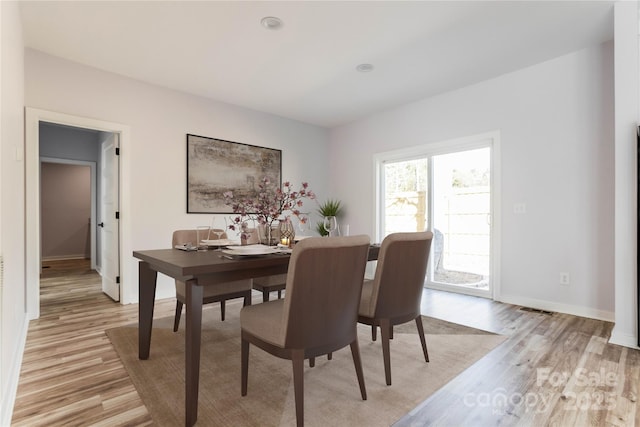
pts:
[364, 68]
[271, 22]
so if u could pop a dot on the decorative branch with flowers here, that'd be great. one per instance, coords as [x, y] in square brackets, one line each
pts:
[269, 205]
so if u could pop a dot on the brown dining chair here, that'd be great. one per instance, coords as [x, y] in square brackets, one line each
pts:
[266, 284]
[318, 313]
[393, 296]
[215, 293]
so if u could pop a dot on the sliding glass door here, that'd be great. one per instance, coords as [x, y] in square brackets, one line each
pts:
[446, 189]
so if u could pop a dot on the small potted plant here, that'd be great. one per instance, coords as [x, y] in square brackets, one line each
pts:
[329, 208]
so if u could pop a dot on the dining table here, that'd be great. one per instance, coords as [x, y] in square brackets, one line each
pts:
[197, 269]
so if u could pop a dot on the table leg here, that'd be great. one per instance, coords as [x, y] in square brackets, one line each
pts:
[192, 349]
[146, 299]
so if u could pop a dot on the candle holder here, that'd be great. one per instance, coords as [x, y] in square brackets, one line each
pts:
[287, 233]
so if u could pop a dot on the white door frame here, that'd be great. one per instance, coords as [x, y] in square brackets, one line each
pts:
[92, 166]
[33, 117]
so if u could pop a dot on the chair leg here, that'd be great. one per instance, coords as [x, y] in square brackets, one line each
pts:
[373, 333]
[423, 341]
[176, 320]
[357, 361]
[244, 361]
[222, 309]
[297, 359]
[385, 328]
[312, 360]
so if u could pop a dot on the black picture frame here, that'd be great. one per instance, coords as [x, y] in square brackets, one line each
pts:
[215, 166]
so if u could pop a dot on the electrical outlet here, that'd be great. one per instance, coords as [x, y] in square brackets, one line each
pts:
[519, 208]
[565, 279]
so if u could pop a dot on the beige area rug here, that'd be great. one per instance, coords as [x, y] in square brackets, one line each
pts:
[331, 392]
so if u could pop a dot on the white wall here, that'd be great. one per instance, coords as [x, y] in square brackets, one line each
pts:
[13, 319]
[556, 125]
[65, 204]
[61, 142]
[159, 120]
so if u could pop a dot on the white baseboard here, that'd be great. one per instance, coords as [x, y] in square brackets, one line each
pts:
[591, 313]
[65, 257]
[624, 340]
[475, 292]
[9, 394]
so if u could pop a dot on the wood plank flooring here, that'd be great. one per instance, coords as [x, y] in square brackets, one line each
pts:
[71, 375]
[555, 370]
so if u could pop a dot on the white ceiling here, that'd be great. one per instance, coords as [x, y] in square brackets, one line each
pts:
[306, 70]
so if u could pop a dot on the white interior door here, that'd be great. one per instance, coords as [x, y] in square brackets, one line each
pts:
[109, 218]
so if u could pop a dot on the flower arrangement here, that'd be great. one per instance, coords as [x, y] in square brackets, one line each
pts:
[269, 205]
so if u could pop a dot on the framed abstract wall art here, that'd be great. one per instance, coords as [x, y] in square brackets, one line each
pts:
[215, 166]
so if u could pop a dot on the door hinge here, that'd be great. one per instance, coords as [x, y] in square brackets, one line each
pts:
[117, 151]
[118, 279]
[117, 215]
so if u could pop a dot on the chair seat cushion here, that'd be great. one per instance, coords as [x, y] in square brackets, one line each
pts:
[366, 307]
[264, 321]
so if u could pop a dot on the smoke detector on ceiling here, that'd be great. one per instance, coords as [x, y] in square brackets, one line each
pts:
[271, 22]
[364, 68]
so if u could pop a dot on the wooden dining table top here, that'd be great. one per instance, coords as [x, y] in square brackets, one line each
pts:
[184, 264]
[180, 264]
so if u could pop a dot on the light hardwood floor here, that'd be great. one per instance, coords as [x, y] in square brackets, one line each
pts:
[71, 375]
[555, 370]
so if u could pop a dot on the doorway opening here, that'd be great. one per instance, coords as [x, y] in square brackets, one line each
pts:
[65, 198]
[449, 188]
[104, 131]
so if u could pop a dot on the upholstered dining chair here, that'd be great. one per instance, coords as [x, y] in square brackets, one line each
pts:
[393, 296]
[266, 284]
[216, 293]
[318, 313]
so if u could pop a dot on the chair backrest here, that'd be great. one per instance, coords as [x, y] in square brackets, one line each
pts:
[323, 289]
[400, 274]
[180, 237]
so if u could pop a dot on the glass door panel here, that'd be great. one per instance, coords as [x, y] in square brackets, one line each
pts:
[405, 196]
[460, 254]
